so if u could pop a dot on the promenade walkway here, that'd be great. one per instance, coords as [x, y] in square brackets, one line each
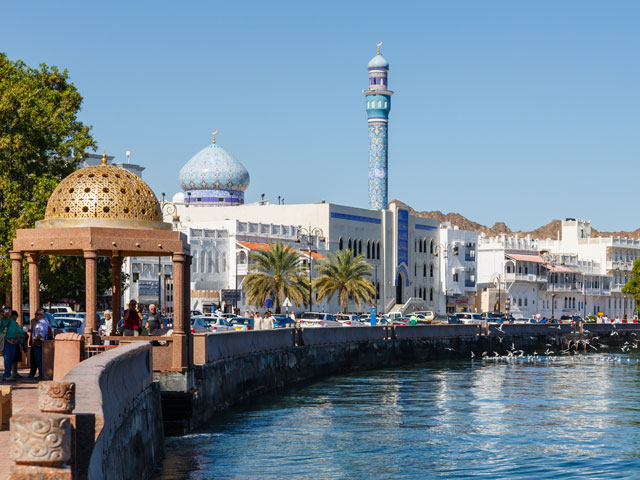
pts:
[25, 400]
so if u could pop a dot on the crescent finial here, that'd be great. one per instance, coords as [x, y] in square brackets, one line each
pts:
[379, 45]
[214, 136]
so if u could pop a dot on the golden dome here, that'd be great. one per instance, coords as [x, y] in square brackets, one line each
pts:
[103, 195]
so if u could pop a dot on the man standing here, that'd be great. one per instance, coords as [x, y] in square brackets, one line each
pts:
[10, 335]
[154, 322]
[41, 330]
[132, 320]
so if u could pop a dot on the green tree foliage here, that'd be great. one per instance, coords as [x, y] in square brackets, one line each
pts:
[633, 285]
[276, 273]
[345, 275]
[41, 142]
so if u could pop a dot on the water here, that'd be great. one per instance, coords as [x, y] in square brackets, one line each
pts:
[552, 417]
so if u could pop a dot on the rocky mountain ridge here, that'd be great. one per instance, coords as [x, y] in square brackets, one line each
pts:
[550, 230]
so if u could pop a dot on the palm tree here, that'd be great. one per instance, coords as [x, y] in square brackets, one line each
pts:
[344, 274]
[276, 273]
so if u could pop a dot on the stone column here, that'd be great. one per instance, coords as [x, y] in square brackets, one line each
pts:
[116, 288]
[181, 323]
[187, 293]
[33, 260]
[16, 283]
[91, 295]
[178, 293]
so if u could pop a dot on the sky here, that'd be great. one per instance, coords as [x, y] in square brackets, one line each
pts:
[503, 111]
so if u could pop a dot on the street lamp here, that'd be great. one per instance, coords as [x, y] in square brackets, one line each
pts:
[445, 250]
[497, 278]
[551, 262]
[309, 234]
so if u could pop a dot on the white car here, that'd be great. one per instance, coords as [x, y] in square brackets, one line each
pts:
[426, 314]
[470, 318]
[350, 320]
[218, 324]
[318, 319]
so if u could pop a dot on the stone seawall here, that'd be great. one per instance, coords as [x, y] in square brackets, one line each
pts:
[237, 366]
[119, 433]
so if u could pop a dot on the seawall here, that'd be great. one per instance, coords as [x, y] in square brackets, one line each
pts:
[234, 367]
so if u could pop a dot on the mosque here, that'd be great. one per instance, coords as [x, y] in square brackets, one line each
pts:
[417, 263]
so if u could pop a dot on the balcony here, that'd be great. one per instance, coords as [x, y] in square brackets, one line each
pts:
[470, 283]
[619, 265]
[470, 256]
[524, 277]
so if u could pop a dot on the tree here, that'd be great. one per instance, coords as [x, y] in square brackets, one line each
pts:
[41, 142]
[276, 273]
[633, 285]
[345, 275]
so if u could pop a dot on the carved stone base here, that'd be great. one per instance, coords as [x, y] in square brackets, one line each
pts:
[56, 397]
[27, 472]
[40, 439]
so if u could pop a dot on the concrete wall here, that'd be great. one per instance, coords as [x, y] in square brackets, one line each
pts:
[119, 418]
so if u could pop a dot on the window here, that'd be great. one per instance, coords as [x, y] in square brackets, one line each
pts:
[424, 270]
[368, 249]
[431, 246]
[431, 294]
[525, 302]
[340, 245]
[431, 270]
[385, 104]
[349, 244]
[378, 247]
[455, 277]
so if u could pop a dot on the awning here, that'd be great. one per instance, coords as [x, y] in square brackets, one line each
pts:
[561, 269]
[521, 257]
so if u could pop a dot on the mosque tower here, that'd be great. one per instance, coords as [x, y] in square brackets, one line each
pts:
[378, 106]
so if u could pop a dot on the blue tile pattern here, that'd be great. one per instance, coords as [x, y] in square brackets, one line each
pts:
[213, 168]
[378, 187]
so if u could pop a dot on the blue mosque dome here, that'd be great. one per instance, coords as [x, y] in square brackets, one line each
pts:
[214, 177]
[378, 62]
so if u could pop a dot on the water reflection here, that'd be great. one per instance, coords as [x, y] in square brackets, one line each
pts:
[556, 417]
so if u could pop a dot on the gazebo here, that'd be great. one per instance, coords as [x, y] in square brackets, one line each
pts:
[105, 210]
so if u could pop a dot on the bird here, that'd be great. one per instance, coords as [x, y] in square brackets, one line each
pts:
[473, 354]
[614, 333]
[450, 349]
[496, 354]
[500, 339]
[484, 354]
[547, 352]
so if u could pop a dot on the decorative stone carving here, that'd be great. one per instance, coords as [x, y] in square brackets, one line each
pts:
[40, 439]
[56, 397]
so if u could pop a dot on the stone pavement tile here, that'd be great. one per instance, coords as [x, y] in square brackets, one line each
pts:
[24, 400]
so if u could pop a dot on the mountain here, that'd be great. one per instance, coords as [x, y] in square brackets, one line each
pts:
[550, 230]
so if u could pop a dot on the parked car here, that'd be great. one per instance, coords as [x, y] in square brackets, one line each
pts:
[282, 321]
[218, 324]
[60, 309]
[427, 314]
[241, 323]
[196, 313]
[349, 320]
[318, 319]
[199, 325]
[470, 318]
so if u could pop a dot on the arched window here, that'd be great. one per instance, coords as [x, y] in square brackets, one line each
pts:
[340, 244]
[359, 247]
[431, 294]
[194, 262]
[424, 270]
[431, 246]
[415, 269]
[431, 270]
[420, 292]
[424, 294]
[242, 258]
[368, 249]
[349, 244]
[378, 248]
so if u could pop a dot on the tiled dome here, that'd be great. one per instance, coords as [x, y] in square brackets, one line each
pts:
[213, 168]
[378, 62]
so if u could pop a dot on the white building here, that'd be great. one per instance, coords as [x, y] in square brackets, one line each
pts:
[457, 268]
[574, 275]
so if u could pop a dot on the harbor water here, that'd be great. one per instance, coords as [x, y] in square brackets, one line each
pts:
[518, 418]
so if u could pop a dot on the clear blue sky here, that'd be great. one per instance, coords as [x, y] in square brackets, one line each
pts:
[504, 110]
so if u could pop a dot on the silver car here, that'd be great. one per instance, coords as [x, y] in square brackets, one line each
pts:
[318, 319]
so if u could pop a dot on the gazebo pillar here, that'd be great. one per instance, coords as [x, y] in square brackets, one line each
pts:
[91, 294]
[16, 283]
[116, 289]
[180, 359]
[33, 260]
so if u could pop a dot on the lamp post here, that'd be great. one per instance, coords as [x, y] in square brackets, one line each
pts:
[551, 262]
[159, 288]
[445, 250]
[309, 233]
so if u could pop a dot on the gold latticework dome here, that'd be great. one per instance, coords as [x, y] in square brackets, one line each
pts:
[103, 195]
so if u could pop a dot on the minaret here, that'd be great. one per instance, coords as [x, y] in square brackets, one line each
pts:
[378, 106]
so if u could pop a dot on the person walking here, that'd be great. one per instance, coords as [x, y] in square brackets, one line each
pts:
[107, 326]
[41, 332]
[132, 320]
[21, 347]
[267, 323]
[9, 338]
[257, 322]
[154, 322]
